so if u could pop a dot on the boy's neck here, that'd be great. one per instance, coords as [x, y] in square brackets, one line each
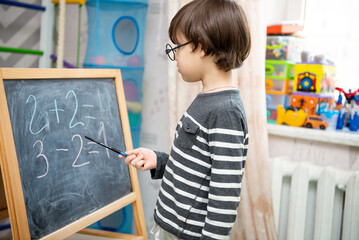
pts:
[217, 80]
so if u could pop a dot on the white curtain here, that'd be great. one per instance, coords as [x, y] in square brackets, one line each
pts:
[255, 218]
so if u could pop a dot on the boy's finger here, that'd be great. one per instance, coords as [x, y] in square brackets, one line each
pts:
[137, 159]
[131, 152]
[129, 159]
[140, 164]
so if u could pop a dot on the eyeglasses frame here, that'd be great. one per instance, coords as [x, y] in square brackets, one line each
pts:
[174, 49]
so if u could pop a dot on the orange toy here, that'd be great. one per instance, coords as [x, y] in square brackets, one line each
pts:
[315, 121]
[309, 102]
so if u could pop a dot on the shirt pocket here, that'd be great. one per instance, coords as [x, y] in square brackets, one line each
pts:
[187, 134]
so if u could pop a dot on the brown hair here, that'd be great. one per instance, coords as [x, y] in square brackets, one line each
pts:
[219, 26]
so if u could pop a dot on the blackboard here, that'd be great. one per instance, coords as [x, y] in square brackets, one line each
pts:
[64, 176]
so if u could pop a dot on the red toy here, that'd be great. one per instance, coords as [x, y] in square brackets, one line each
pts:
[349, 96]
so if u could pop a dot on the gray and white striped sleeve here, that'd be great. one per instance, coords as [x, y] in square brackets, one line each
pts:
[162, 159]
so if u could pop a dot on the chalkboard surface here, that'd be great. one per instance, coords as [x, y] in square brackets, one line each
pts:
[64, 176]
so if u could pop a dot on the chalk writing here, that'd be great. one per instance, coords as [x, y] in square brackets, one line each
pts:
[57, 111]
[76, 107]
[103, 131]
[103, 106]
[70, 96]
[43, 156]
[33, 115]
[77, 157]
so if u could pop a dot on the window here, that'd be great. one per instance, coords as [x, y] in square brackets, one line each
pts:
[331, 28]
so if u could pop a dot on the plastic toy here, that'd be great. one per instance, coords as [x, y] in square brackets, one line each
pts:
[354, 122]
[330, 117]
[315, 121]
[307, 103]
[321, 108]
[312, 103]
[339, 102]
[290, 117]
[349, 96]
[306, 82]
[356, 99]
[341, 118]
[314, 78]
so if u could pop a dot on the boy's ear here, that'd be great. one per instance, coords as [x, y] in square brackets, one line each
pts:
[203, 54]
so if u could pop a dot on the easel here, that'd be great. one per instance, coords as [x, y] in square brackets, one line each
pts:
[16, 208]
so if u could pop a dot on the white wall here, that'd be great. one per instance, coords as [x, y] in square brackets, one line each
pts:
[320, 153]
[284, 10]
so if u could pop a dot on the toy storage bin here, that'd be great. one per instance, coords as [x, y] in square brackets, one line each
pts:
[272, 114]
[279, 69]
[136, 136]
[279, 99]
[286, 48]
[115, 33]
[120, 221]
[278, 86]
[132, 84]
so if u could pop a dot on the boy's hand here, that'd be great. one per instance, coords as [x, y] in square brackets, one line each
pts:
[141, 158]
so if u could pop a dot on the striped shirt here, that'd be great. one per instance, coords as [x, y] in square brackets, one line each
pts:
[202, 175]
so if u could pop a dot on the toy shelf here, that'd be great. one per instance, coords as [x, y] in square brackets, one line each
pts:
[336, 137]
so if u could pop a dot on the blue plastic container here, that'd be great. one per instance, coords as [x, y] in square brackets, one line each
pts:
[115, 40]
[115, 33]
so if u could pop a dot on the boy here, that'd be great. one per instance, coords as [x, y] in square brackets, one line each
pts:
[202, 175]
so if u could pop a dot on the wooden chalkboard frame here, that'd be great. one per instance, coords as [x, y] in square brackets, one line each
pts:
[10, 169]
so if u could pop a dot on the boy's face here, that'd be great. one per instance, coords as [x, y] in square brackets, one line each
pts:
[189, 62]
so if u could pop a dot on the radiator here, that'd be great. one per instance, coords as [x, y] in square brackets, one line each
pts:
[312, 202]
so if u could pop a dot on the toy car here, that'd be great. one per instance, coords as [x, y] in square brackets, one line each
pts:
[315, 121]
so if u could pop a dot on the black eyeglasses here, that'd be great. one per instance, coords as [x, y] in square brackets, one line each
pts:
[170, 51]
